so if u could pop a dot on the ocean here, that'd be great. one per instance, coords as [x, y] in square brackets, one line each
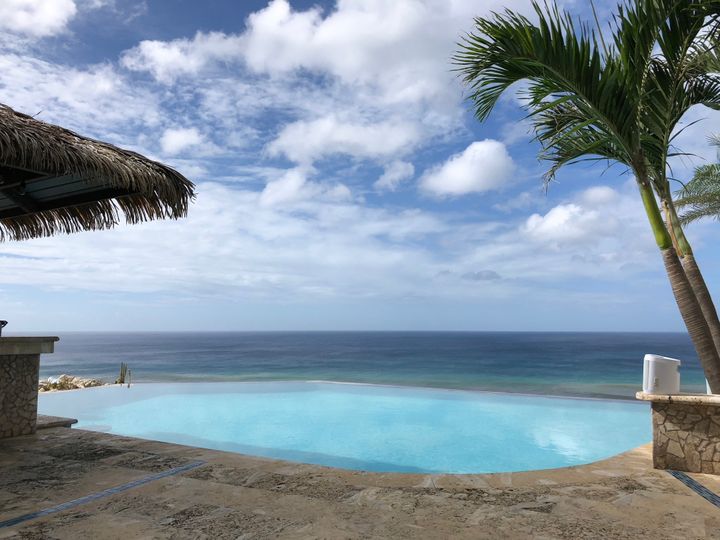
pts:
[603, 365]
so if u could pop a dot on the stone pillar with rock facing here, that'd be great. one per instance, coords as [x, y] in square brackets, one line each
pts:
[686, 431]
[19, 376]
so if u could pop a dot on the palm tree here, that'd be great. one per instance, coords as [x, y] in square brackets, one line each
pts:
[700, 197]
[592, 101]
[682, 75]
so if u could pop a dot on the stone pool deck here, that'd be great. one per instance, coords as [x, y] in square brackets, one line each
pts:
[234, 496]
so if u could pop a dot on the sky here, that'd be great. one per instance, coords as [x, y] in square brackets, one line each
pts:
[342, 181]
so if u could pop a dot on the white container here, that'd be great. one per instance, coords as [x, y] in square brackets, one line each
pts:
[661, 375]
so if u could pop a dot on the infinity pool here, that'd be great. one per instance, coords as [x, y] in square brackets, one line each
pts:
[362, 427]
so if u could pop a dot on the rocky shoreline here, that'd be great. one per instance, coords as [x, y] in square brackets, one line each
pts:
[68, 382]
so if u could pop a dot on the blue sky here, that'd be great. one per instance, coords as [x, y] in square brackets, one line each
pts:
[342, 181]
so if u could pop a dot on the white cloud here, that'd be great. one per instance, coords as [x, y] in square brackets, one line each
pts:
[402, 48]
[294, 187]
[565, 222]
[584, 237]
[306, 141]
[522, 200]
[285, 189]
[299, 238]
[381, 88]
[276, 31]
[123, 10]
[383, 70]
[595, 215]
[515, 132]
[283, 266]
[482, 166]
[325, 245]
[599, 195]
[177, 140]
[167, 60]
[390, 46]
[394, 173]
[36, 18]
[96, 100]
[481, 275]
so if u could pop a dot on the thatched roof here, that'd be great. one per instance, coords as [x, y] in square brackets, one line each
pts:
[55, 181]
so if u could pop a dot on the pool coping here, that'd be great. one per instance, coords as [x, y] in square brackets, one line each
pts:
[629, 399]
[583, 497]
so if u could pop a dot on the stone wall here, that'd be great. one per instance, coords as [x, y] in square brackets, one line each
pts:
[18, 394]
[686, 436]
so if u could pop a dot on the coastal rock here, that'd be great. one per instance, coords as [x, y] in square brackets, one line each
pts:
[67, 382]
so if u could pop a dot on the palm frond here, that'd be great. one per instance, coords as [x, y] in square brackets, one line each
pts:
[621, 102]
[701, 196]
[568, 137]
[565, 68]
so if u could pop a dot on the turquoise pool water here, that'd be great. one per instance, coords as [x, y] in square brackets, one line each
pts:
[364, 427]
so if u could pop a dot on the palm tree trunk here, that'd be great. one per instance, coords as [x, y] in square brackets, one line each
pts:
[697, 282]
[687, 302]
[694, 318]
[692, 271]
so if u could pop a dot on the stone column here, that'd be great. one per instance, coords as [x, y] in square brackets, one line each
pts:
[686, 431]
[19, 374]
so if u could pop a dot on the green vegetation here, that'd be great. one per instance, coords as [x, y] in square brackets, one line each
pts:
[123, 373]
[701, 196]
[618, 99]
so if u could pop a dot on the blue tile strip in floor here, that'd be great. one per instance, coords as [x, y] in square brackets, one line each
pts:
[100, 494]
[697, 487]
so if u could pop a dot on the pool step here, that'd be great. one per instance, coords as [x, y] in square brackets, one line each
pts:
[45, 422]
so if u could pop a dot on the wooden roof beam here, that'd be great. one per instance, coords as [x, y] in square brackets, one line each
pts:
[63, 202]
[22, 199]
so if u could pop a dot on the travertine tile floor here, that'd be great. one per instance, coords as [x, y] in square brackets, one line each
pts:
[236, 496]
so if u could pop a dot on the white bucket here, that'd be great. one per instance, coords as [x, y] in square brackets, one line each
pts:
[661, 375]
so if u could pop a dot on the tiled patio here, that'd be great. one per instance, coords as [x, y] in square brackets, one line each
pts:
[159, 490]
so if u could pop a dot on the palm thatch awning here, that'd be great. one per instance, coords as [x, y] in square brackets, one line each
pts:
[55, 181]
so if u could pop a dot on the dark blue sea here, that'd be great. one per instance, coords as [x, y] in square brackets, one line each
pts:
[577, 364]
